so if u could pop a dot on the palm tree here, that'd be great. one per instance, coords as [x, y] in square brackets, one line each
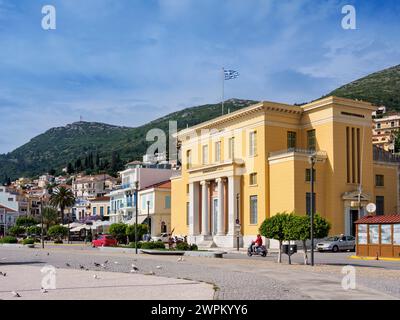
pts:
[63, 198]
[50, 216]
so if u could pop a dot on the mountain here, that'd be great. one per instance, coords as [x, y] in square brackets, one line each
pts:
[379, 88]
[110, 145]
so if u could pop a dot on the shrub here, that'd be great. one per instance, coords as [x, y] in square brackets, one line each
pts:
[33, 230]
[9, 239]
[25, 221]
[58, 241]
[141, 230]
[152, 245]
[28, 241]
[183, 246]
[118, 231]
[16, 231]
[194, 247]
[132, 245]
[57, 232]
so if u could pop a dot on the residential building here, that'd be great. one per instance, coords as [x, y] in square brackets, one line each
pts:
[253, 163]
[14, 200]
[123, 197]
[45, 180]
[384, 130]
[90, 187]
[100, 206]
[7, 218]
[155, 208]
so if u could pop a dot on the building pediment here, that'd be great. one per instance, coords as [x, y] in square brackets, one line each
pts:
[353, 196]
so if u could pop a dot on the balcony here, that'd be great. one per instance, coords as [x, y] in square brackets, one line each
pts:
[297, 151]
[382, 155]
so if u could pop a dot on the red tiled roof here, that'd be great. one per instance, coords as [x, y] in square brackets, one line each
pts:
[100, 199]
[7, 209]
[160, 185]
[395, 218]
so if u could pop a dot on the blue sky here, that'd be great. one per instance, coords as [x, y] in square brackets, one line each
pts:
[127, 62]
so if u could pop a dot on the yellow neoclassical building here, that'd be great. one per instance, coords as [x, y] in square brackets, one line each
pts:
[248, 165]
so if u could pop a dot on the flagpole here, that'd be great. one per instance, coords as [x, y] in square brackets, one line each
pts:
[223, 89]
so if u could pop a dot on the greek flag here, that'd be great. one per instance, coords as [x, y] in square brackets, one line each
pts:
[231, 74]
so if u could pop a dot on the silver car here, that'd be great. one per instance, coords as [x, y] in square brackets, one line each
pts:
[337, 243]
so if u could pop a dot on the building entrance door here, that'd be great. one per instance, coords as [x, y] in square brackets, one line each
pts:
[215, 216]
[353, 218]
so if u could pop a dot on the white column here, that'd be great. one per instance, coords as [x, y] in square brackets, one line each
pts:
[233, 191]
[221, 213]
[194, 208]
[205, 228]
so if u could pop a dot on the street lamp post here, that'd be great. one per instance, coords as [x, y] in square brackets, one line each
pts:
[136, 214]
[312, 161]
[41, 221]
[148, 219]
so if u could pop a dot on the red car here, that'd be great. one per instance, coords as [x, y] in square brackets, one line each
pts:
[104, 240]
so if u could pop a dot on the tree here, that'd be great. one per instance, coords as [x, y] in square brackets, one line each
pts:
[141, 230]
[57, 232]
[118, 231]
[17, 231]
[63, 198]
[33, 230]
[274, 228]
[50, 216]
[70, 169]
[25, 221]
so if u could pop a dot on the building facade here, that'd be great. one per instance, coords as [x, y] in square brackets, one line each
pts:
[243, 167]
[384, 130]
[100, 207]
[90, 187]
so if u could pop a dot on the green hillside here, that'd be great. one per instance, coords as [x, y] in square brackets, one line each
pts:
[379, 88]
[111, 146]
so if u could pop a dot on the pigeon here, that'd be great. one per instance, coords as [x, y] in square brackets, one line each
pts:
[103, 265]
[180, 259]
[3, 274]
[43, 290]
[67, 264]
[15, 294]
[105, 262]
[95, 276]
[48, 253]
[81, 266]
[134, 267]
[97, 264]
[158, 267]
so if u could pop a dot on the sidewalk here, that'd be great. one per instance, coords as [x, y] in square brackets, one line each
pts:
[82, 285]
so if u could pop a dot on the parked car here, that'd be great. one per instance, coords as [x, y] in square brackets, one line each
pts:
[104, 240]
[337, 243]
[163, 237]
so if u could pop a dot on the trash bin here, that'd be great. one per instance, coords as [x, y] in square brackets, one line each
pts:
[292, 248]
[285, 248]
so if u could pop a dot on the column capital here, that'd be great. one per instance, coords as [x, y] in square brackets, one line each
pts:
[205, 182]
[218, 180]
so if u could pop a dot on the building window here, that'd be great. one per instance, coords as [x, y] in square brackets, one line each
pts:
[392, 124]
[94, 211]
[187, 213]
[189, 159]
[308, 175]
[379, 180]
[205, 154]
[291, 140]
[311, 143]
[108, 210]
[308, 203]
[253, 143]
[253, 179]
[380, 205]
[253, 210]
[168, 202]
[101, 211]
[231, 148]
[218, 151]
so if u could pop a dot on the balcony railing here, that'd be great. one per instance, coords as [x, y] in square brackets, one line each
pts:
[308, 152]
[382, 155]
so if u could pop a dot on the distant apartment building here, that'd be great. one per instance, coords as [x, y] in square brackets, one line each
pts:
[384, 130]
[7, 218]
[90, 187]
[45, 180]
[36, 198]
[122, 199]
[12, 205]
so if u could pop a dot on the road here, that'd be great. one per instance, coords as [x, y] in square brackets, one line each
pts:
[236, 277]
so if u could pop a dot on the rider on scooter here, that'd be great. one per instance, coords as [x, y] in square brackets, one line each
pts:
[257, 243]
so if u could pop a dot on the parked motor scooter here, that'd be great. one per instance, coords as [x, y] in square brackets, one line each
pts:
[257, 251]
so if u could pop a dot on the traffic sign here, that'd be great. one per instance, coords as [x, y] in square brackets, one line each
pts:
[371, 207]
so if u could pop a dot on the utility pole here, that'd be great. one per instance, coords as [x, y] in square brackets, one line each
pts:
[312, 162]
[136, 211]
[148, 219]
[41, 221]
